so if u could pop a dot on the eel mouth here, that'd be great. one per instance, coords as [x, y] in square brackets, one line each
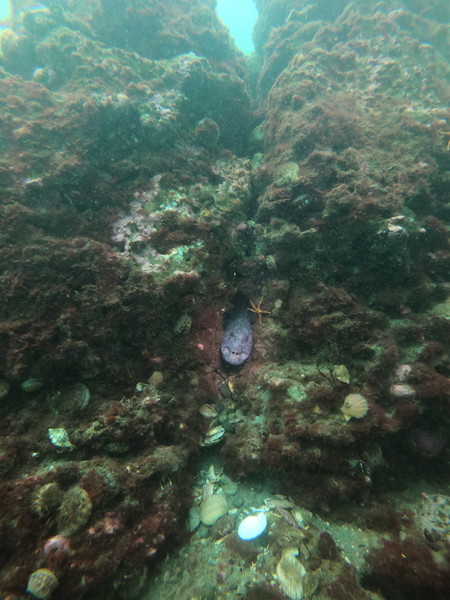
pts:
[232, 357]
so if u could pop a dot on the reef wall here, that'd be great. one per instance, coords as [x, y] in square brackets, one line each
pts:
[149, 176]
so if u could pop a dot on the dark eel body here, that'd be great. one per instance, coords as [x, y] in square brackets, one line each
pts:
[237, 340]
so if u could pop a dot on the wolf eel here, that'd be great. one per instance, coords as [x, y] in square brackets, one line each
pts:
[237, 339]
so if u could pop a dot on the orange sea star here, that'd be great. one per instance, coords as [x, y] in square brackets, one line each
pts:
[256, 308]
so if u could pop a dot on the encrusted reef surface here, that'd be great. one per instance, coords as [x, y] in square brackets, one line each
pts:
[153, 179]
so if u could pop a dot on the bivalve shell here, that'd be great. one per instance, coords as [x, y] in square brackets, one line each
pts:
[214, 435]
[290, 573]
[32, 385]
[355, 405]
[402, 373]
[72, 398]
[41, 584]
[208, 411]
[253, 526]
[402, 390]
[340, 373]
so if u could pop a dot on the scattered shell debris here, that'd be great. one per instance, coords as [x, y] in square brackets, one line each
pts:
[278, 553]
[260, 523]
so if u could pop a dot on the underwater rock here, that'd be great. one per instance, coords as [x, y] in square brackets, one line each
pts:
[287, 174]
[367, 144]
[134, 585]
[207, 133]
[229, 486]
[427, 444]
[213, 508]
[193, 518]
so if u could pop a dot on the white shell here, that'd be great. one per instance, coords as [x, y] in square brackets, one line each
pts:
[253, 526]
[59, 437]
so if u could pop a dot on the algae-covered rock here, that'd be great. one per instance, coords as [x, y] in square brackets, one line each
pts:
[287, 174]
